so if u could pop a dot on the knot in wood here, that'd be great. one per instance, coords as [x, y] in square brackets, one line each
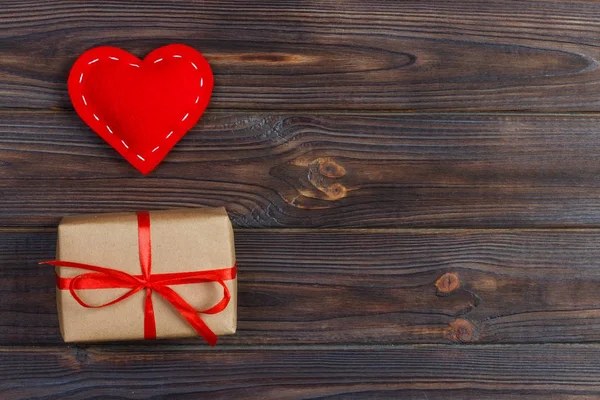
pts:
[336, 191]
[447, 283]
[460, 331]
[329, 168]
[81, 355]
[322, 174]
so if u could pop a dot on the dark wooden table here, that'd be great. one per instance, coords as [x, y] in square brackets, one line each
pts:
[415, 187]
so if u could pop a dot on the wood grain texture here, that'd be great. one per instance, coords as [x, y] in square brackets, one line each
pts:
[273, 170]
[407, 372]
[326, 55]
[370, 287]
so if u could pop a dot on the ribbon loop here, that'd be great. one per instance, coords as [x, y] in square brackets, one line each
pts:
[73, 290]
[108, 278]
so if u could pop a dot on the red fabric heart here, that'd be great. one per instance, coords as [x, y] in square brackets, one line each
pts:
[141, 108]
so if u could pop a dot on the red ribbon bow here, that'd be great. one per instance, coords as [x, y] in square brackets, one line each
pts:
[108, 278]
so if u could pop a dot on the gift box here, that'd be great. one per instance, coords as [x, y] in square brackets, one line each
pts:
[146, 275]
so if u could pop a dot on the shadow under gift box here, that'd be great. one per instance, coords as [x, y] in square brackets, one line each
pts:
[183, 240]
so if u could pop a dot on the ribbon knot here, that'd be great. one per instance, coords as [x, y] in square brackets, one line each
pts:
[108, 278]
[148, 285]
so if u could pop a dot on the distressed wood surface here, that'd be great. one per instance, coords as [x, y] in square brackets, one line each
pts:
[407, 372]
[346, 114]
[370, 287]
[273, 170]
[326, 55]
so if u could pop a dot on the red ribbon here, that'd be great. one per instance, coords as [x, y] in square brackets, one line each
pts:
[108, 278]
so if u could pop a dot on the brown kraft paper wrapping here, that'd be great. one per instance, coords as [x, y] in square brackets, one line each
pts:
[183, 240]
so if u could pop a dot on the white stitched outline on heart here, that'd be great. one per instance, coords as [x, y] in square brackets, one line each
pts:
[137, 66]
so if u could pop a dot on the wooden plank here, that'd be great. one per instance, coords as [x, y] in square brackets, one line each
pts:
[366, 287]
[350, 55]
[273, 170]
[407, 372]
